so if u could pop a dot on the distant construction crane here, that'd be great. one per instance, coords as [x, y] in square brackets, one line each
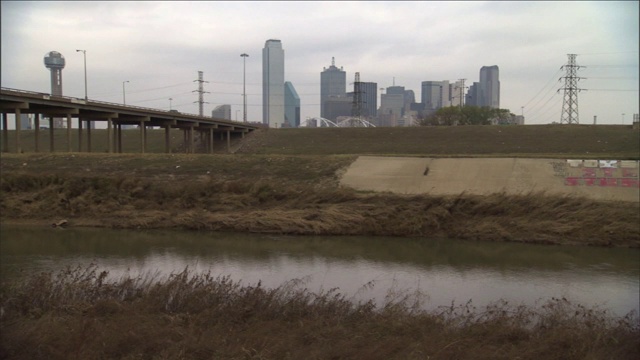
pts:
[569, 113]
[201, 93]
[462, 92]
[356, 108]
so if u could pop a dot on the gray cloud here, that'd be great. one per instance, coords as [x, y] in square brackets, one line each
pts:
[160, 46]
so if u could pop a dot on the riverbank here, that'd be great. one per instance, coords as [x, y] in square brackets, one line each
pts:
[285, 195]
[78, 312]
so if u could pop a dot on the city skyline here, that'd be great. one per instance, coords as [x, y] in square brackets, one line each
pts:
[383, 41]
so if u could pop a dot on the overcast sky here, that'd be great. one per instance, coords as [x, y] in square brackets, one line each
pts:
[159, 47]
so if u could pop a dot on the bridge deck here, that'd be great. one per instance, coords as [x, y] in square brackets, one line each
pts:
[13, 101]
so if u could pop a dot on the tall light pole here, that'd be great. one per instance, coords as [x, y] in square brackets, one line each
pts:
[124, 99]
[244, 86]
[84, 52]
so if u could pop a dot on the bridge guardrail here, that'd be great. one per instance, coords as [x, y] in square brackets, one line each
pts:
[75, 100]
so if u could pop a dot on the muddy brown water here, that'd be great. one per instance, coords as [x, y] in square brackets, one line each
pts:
[361, 268]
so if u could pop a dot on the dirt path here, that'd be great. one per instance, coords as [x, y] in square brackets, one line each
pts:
[598, 180]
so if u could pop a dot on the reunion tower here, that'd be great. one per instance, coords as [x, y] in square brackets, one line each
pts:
[54, 61]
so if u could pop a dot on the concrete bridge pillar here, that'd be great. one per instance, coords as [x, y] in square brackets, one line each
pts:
[18, 126]
[79, 134]
[143, 138]
[109, 134]
[36, 124]
[210, 141]
[5, 133]
[167, 139]
[191, 140]
[51, 144]
[68, 132]
[89, 126]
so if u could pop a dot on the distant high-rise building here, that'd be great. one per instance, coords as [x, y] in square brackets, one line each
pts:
[490, 87]
[435, 95]
[333, 83]
[473, 95]
[222, 112]
[369, 99]
[291, 105]
[273, 84]
[337, 106]
[397, 90]
[391, 108]
[456, 93]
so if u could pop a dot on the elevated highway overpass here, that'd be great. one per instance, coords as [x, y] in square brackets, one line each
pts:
[46, 106]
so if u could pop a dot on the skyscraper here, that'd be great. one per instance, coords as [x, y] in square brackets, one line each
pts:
[273, 84]
[490, 87]
[333, 84]
[369, 99]
[291, 105]
[472, 98]
[435, 95]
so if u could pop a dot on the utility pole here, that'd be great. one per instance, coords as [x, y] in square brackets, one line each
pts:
[201, 93]
[244, 86]
[569, 113]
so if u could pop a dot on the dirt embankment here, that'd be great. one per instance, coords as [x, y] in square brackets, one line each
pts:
[287, 195]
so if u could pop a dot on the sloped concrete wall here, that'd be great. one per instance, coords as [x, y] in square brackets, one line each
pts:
[601, 180]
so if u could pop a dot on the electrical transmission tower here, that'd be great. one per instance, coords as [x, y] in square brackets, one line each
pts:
[570, 103]
[201, 93]
[356, 108]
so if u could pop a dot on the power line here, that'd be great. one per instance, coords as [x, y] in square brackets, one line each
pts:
[612, 89]
[550, 81]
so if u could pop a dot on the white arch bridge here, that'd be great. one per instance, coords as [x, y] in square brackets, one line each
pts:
[348, 122]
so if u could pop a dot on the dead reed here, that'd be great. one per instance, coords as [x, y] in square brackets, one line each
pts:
[82, 313]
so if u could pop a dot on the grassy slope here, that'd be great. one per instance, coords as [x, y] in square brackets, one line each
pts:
[616, 142]
[581, 141]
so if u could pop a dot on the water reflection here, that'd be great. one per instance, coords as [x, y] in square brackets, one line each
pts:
[445, 270]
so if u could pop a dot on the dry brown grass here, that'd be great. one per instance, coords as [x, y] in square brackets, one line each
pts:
[303, 209]
[80, 313]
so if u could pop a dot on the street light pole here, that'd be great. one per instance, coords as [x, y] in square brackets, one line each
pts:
[84, 52]
[244, 86]
[124, 99]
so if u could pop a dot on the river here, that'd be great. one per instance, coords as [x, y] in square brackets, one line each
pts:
[361, 268]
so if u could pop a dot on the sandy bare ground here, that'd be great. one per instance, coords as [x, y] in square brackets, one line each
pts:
[609, 181]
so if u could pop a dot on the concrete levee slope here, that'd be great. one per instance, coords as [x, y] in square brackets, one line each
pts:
[596, 179]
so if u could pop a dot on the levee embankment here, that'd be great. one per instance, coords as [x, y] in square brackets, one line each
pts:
[607, 180]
